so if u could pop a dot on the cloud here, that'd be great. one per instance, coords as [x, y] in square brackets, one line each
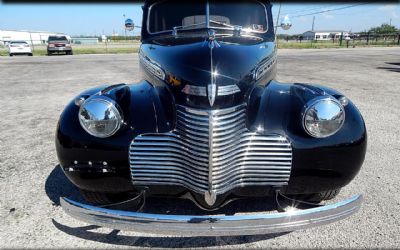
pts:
[390, 9]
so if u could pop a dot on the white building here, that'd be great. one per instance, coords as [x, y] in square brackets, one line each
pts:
[34, 37]
[324, 34]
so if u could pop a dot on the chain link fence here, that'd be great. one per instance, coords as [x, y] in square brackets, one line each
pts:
[351, 40]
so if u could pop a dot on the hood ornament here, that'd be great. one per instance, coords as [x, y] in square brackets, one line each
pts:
[212, 43]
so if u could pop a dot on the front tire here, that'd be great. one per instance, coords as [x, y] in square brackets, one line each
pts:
[96, 197]
[11, 54]
[322, 196]
[99, 198]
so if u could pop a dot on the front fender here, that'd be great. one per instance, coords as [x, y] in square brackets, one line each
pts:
[97, 164]
[328, 163]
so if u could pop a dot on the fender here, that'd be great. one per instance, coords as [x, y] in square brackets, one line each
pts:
[338, 158]
[97, 164]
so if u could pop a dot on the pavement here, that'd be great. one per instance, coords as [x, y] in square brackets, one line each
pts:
[34, 91]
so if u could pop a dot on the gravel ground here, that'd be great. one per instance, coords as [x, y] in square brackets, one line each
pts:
[34, 90]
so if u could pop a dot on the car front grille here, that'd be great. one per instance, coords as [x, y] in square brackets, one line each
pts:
[210, 151]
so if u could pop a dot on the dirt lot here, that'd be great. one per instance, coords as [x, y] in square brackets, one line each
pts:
[34, 90]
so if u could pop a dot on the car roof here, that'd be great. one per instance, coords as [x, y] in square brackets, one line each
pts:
[150, 2]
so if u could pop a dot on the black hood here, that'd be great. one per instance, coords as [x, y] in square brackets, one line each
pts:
[209, 73]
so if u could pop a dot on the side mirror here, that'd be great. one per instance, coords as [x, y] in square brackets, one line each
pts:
[286, 23]
[129, 25]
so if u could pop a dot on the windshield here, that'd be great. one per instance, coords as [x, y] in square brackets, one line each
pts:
[166, 15]
[57, 38]
[18, 42]
[250, 15]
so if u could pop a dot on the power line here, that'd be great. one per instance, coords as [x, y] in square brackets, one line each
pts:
[329, 10]
[305, 10]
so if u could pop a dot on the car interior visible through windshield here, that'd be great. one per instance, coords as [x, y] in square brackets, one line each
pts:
[193, 16]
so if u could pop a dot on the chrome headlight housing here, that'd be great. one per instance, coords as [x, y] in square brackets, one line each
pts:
[323, 117]
[99, 116]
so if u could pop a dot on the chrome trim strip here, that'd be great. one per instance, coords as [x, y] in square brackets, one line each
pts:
[210, 195]
[194, 90]
[208, 15]
[212, 225]
[228, 90]
[153, 67]
[265, 67]
[201, 91]
[212, 86]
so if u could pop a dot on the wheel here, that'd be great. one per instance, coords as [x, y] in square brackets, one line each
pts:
[11, 54]
[49, 53]
[30, 54]
[69, 53]
[104, 198]
[322, 196]
[95, 197]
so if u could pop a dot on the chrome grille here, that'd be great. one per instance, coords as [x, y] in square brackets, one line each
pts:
[210, 151]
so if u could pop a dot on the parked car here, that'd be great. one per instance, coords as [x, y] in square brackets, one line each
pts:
[210, 123]
[58, 44]
[19, 48]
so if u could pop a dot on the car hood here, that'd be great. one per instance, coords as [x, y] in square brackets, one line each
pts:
[204, 68]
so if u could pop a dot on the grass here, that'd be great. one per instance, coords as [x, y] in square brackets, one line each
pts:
[41, 50]
[126, 49]
[328, 44]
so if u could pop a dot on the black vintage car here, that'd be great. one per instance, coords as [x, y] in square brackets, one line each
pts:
[209, 123]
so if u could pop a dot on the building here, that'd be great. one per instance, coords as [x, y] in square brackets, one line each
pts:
[324, 35]
[32, 37]
[85, 40]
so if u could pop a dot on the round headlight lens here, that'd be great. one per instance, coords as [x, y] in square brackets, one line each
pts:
[100, 117]
[323, 117]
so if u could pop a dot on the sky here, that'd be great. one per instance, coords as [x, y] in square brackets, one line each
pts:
[99, 19]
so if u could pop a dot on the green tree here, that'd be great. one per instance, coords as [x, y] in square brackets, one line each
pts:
[384, 29]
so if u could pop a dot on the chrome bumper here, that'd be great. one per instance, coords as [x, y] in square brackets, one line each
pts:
[187, 225]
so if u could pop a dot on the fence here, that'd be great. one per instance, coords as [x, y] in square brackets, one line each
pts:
[354, 39]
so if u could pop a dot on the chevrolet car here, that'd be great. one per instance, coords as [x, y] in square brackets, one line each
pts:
[210, 123]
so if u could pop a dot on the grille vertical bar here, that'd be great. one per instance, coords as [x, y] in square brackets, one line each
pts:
[210, 151]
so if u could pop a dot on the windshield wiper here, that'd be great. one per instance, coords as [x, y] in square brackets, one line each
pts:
[176, 28]
[222, 23]
[237, 29]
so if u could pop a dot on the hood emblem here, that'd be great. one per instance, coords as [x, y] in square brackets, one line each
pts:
[211, 93]
[212, 88]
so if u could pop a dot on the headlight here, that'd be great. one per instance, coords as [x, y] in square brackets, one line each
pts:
[323, 117]
[100, 117]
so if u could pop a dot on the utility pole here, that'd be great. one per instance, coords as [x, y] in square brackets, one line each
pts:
[276, 25]
[124, 28]
[277, 17]
[390, 22]
[313, 21]
[30, 35]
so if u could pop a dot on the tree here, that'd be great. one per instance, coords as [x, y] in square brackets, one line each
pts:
[384, 29]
